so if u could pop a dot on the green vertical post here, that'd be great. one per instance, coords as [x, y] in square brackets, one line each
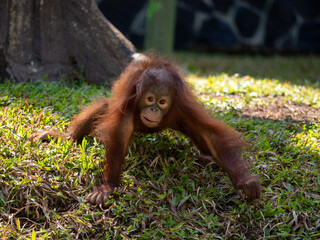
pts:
[160, 26]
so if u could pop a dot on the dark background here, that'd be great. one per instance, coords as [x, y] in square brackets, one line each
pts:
[228, 25]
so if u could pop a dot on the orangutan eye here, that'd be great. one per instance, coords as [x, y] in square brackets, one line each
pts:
[150, 99]
[161, 102]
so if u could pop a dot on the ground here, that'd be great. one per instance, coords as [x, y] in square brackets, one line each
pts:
[166, 192]
[281, 109]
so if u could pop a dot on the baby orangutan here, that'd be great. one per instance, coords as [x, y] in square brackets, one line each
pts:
[149, 96]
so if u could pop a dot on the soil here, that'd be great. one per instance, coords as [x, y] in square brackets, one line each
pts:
[280, 109]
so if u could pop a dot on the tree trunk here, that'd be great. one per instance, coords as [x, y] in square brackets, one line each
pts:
[56, 38]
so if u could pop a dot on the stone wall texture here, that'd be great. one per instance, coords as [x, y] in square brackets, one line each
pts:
[228, 25]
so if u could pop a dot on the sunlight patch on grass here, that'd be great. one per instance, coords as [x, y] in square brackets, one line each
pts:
[251, 88]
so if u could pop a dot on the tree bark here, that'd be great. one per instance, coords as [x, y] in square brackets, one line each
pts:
[55, 38]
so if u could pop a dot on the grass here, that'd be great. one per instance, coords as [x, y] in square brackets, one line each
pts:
[165, 193]
[301, 70]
